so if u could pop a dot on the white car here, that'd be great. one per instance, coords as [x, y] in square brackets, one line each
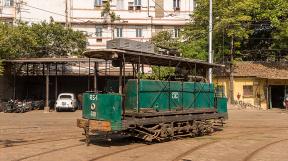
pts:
[285, 102]
[66, 101]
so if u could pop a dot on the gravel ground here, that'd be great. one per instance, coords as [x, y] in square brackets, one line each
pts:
[249, 135]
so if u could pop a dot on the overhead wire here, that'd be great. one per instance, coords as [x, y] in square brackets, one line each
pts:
[59, 14]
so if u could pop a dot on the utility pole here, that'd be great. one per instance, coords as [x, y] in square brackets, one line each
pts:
[231, 77]
[66, 13]
[210, 38]
[18, 9]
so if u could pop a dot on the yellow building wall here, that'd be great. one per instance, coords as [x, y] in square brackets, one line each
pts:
[259, 97]
[223, 82]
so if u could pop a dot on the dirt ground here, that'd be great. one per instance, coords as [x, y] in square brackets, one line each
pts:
[247, 136]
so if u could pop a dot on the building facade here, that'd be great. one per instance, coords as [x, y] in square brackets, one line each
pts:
[136, 19]
[257, 84]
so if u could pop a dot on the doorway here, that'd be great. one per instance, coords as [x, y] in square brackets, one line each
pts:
[277, 96]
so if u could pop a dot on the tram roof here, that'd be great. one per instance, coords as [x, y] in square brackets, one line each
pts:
[149, 59]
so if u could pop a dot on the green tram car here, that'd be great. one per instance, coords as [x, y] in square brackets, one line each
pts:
[153, 110]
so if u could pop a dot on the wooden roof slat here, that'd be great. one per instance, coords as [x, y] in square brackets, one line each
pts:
[149, 59]
[52, 60]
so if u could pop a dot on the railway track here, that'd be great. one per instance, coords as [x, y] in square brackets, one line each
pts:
[37, 141]
[17, 128]
[116, 152]
[250, 156]
[50, 151]
[193, 149]
[36, 132]
[140, 146]
[76, 145]
[179, 157]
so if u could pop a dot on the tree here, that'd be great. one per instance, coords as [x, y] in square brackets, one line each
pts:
[1, 67]
[243, 30]
[109, 16]
[241, 27]
[281, 39]
[15, 41]
[163, 39]
[39, 40]
[54, 40]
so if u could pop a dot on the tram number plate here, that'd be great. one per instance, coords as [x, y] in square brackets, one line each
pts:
[93, 113]
[175, 95]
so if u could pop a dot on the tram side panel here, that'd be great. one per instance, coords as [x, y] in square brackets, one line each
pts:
[165, 95]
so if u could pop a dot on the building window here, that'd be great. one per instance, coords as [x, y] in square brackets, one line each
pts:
[98, 3]
[130, 6]
[98, 40]
[176, 32]
[176, 4]
[247, 90]
[138, 32]
[119, 32]
[98, 31]
[137, 2]
[9, 3]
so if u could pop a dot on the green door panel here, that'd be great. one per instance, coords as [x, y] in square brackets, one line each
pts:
[103, 107]
[221, 104]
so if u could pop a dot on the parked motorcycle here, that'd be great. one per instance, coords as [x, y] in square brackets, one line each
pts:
[16, 106]
[11, 106]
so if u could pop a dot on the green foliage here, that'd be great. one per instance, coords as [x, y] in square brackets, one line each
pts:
[163, 39]
[39, 40]
[1, 67]
[106, 11]
[54, 40]
[195, 49]
[254, 25]
[248, 29]
[159, 73]
[15, 41]
[281, 37]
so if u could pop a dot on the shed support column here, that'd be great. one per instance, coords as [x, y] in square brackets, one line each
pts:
[95, 76]
[47, 108]
[88, 89]
[137, 85]
[14, 82]
[56, 81]
[120, 78]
